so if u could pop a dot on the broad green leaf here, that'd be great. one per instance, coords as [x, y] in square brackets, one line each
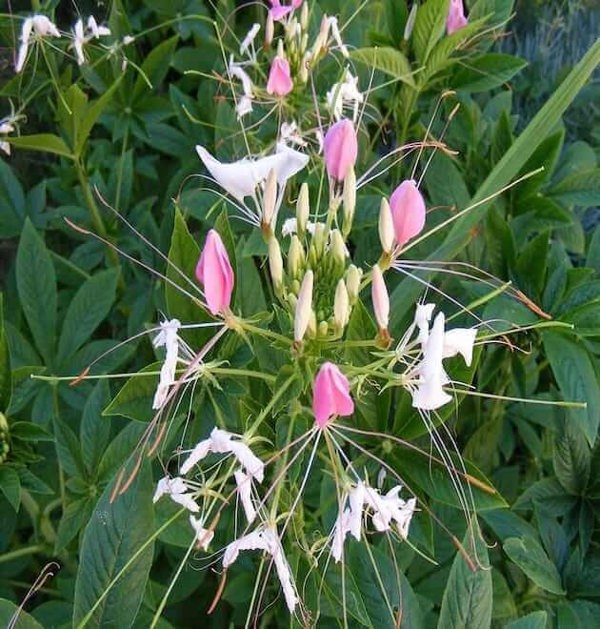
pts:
[486, 72]
[571, 459]
[94, 431]
[467, 602]
[45, 142]
[405, 294]
[581, 188]
[134, 400]
[68, 449]
[10, 485]
[545, 156]
[396, 14]
[575, 374]
[12, 202]
[8, 610]
[5, 368]
[531, 264]
[112, 539]
[593, 253]
[36, 284]
[535, 620]
[389, 60]
[88, 308]
[76, 514]
[70, 112]
[26, 431]
[528, 554]
[181, 270]
[429, 27]
[155, 67]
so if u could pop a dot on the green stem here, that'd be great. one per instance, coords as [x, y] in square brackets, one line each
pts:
[97, 221]
[264, 332]
[274, 400]
[121, 168]
[21, 552]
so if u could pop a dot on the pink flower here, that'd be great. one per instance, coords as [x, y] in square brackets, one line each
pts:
[408, 211]
[280, 83]
[331, 394]
[214, 272]
[456, 16]
[340, 148]
[279, 11]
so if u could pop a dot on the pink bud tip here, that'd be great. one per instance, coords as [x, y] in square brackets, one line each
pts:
[331, 394]
[408, 211]
[341, 149]
[214, 272]
[279, 82]
[279, 11]
[456, 16]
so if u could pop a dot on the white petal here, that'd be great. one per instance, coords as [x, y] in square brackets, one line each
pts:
[249, 39]
[423, 315]
[203, 536]
[430, 396]
[244, 485]
[405, 516]
[44, 27]
[197, 454]
[186, 500]
[460, 341]
[5, 147]
[285, 578]
[244, 106]
[167, 485]
[289, 227]
[22, 56]
[220, 441]
[356, 499]
[253, 541]
[250, 462]
[239, 73]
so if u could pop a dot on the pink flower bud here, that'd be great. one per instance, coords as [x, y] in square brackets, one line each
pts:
[331, 394]
[279, 83]
[214, 272]
[408, 211]
[456, 16]
[381, 299]
[341, 149]
[278, 11]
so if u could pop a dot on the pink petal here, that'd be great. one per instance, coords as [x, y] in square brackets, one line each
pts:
[331, 394]
[340, 149]
[214, 272]
[279, 82]
[408, 211]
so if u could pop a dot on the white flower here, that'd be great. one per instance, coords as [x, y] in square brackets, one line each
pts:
[128, 39]
[78, 41]
[460, 341]
[236, 70]
[221, 442]
[6, 128]
[244, 106]
[429, 393]
[244, 485]
[5, 147]
[203, 536]
[169, 338]
[176, 488]
[248, 41]
[95, 30]
[290, 226]
[344, 92]
[266, 539]
[37, 26]
[290, 134]
[335, 32]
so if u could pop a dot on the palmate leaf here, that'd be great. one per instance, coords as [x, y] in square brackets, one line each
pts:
[112, 538]
[407, 291]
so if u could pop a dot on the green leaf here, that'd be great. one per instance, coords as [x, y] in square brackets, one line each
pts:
[389, 60]
[406, 292]
[67, 449]
[88, 308]
[535, 620]
[575, 374]
[155, 67]
[94, 431]
[115, 533]
[5, 369]
[531, 265]
[581, 188]
[134, 400]
[12, 202]
[26, 431]
[45, 142]
[593, 253]
[10, 485]
[527, 553]
[571, 459]
[467, 602]
[36, 284]
[8, 610]
[486, 72]
[429, 27]
[76, 514]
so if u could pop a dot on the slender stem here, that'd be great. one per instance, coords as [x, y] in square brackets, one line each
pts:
[89, 200]
[21, 552]
[249, 327]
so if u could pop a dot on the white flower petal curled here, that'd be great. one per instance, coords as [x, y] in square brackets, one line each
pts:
[196, 455]
[203, 536]
[248, 41]
[176, 489]
[460, 341]
[244, 486]
[169, 338]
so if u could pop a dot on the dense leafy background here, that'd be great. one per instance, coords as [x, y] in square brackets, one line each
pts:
[129, 137]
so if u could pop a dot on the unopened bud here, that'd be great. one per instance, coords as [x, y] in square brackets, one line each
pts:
[320, 240]
[353, 275]
[349, 197]
[305, 66]
[269, 31]
[341, 305]
[381, 299]
[269, 200]
[303, 307]
[338, 249]
[386, 226]
[296, 257]
[302, 209]
[320, 45]
[276, 264]
[410, 22]
[280, 52]
[304, 16]
[312, 324]
[323, 328]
